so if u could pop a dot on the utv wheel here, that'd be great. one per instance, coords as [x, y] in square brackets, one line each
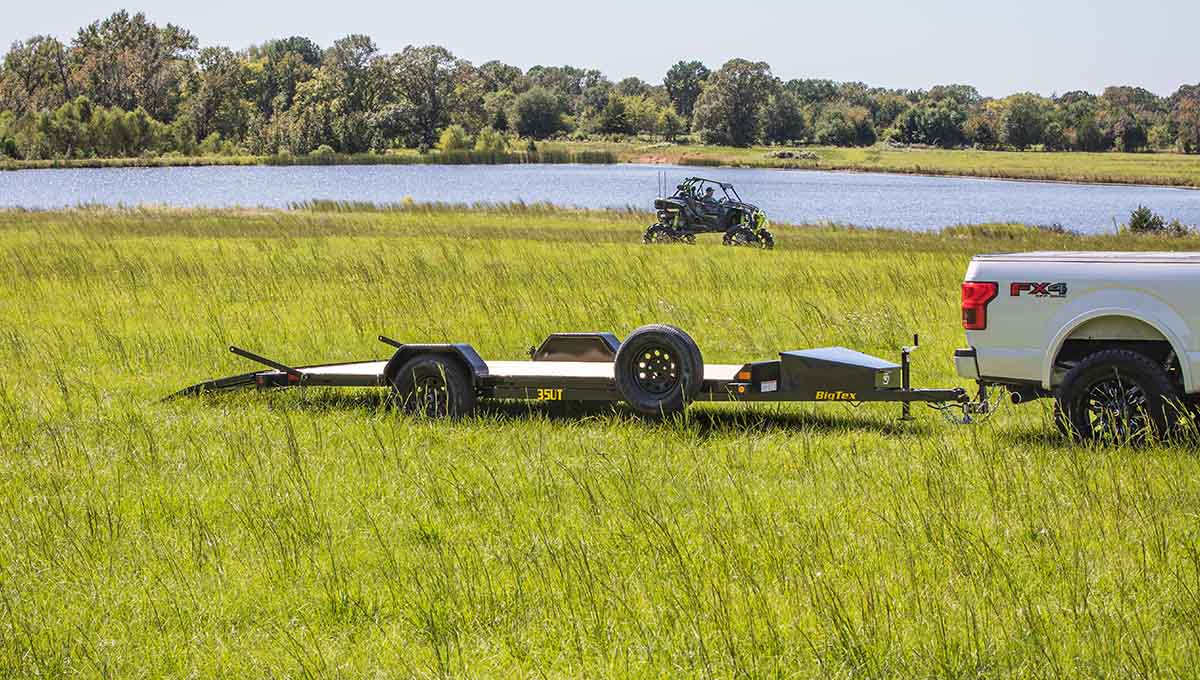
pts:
[766, 239]
[434, 385]
[659, 370]
[745, 236]
[657, 233]
[1116, 396]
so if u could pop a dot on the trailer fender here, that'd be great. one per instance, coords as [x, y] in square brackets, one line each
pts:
[464, 353]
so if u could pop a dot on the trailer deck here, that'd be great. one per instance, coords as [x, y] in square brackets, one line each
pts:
[657, 369]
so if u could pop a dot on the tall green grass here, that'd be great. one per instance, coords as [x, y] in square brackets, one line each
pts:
[556, 156]
[320, 533]
[549, 155]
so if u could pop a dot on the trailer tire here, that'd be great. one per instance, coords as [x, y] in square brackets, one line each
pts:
[1116, 396]
[434, 385]
[658, 369]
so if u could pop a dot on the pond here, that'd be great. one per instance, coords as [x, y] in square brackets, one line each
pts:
[791, 196]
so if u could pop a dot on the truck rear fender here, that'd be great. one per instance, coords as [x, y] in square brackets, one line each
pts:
[1127, 304]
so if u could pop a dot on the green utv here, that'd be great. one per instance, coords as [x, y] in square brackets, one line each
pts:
[694, 208]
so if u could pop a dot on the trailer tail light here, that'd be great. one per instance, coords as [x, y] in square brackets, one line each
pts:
[975, 298]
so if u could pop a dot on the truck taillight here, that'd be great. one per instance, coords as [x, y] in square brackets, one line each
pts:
[975, 298]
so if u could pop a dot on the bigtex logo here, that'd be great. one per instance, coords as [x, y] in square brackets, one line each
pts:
[837, 396]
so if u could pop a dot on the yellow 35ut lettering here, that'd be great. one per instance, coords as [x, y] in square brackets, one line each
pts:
[549, 394]
[836, 395]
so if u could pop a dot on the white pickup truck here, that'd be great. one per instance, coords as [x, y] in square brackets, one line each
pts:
[1113, 337]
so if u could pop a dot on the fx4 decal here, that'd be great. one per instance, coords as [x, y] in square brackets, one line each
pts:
[1041, 290]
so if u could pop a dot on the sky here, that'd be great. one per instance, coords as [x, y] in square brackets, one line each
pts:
[1046, 46]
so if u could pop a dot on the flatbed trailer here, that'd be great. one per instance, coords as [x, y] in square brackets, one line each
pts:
[657, 370]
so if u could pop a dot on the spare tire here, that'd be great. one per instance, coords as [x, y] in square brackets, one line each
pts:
[659, 369]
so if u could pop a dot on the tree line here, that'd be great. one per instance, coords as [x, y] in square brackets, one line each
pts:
[125, 86]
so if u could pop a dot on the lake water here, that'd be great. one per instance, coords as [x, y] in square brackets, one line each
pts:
[864, 199]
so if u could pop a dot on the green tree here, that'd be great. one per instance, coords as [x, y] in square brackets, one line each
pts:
[813, 93]
[127, 61]
[219, 102]
[8, 143]
[1129, 134]
[309, 123]
[1187, 121]
[454, 138]
[491, 141]
[308, 51]
[279, 67]
[632, 87]
[670, 124]
[1078, 113]
[1087, 136]
[497, 107]
[566, 83]
[613, 119]
[983, 126]
[1054, 136]
[35, 75]
[1024, 120]
[684, 82]
[69, 130]
[887, 110]
[730, 109]
[498, 76]
[965, 96]
[844, 125]
[937, 123]
[784, 119]
[1133, 100]
[537, 113]
[348, 63]
[593, 100]
[642, 114]
[466, 102]
[425, 80]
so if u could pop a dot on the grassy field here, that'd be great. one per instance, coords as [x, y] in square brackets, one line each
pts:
[1112, 168]
[1167, 169]
[322, 534]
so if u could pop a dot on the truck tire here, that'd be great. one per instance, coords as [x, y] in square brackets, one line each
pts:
[434, 385]
[658, 370]
[1117, 396]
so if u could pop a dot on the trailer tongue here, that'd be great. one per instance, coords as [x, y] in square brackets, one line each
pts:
[657, 370]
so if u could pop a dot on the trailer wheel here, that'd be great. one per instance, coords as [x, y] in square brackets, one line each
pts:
[434, 385]
[1116, 396]
[659, 369]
